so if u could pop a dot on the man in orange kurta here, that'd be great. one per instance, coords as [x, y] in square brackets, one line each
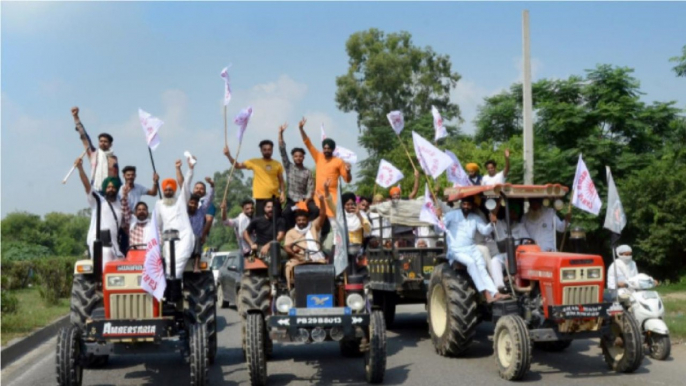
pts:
[328, 167]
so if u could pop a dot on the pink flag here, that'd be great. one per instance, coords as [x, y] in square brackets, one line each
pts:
[441, 132]
[242, 120]
[433, 160]
[585, 196]
[397, 121]
[151, 126]
[428, 212]
[153, 280]
[388, 174]
[227, 86]
[323, 133]
[455, 173]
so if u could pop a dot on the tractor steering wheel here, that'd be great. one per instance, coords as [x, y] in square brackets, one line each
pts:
[524, 241]
[306, 250]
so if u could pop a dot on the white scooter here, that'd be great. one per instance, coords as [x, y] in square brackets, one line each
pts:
[649, 312]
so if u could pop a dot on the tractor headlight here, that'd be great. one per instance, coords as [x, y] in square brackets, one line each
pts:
[593, 273]
[491, 204]
[284, 303]
[568, 274]
[84, 268]
[116, 281]
[355, 302]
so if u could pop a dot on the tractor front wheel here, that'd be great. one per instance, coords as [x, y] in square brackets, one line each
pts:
[199, 354]
[512, 347]
[375, 357]
[200, 294]
[85, 297]
[69, 357]
[254, 295]
[255, 349]
[622, 344]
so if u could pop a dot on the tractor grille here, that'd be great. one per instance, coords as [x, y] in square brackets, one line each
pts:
[584, 294]
[131, 306]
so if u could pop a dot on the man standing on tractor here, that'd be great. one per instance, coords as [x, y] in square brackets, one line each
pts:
[103, 161]
[304, 236]
[494, 177]
[262, 227]
[196, 214]
[461, 225]
[542, 223]
[267, 179]
[473, 173]
[136, 191]
[111, 218]
[139, 221]
[240, 223]
[300, 181]
[172, 214]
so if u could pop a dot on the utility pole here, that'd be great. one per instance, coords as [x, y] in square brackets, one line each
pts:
[527, 108]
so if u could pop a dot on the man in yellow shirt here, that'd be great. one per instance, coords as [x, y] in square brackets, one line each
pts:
[267, 177]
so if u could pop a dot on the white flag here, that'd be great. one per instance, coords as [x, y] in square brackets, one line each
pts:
[427, 213]
[242, 120]
[345, 154]
[323, 133]
[227, 86]
[388, 174]
[433, 160]
[615, 219]
[441, 131]
[340, 237]
[397, 121]
[455, 173]
[153, 280]
[151, 126]
[585, 195]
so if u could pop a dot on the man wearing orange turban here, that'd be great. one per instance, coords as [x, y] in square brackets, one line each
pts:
[473, 171]
[169, 183]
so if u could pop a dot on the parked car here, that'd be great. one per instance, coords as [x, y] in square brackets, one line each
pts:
[217, 260]
[230, 273]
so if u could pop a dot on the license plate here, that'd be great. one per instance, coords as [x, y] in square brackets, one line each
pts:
[428, 269]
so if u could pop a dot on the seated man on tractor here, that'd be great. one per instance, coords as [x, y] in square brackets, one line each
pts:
[262, 227]
[304, 236]
[461, 225]
[518, 233]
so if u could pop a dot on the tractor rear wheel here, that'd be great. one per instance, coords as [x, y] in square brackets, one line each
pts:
[85, 297]
[452, 314]
[200, 294]
[254, 295]
[512, 347]
[69, 357]
[622, 344]
[199, 354]
[660, 346]
[255, 349]
[375, 357]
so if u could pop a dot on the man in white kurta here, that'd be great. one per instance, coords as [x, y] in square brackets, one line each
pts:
[622, 270]
[519, 232]
[172, 213]
[542, 223]
[461, 226]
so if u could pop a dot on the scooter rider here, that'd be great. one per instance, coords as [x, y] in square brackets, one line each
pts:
[626, 269]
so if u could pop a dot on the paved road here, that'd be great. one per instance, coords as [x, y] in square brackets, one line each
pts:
[411, 360]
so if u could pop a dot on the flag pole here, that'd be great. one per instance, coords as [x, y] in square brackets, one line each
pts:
[159, 192]
[226, 135]
[564, 234]
[233, 167]
[406, 152]
[374, 194]
[73, 167]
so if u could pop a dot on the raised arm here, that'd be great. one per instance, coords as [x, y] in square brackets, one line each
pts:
[282, 188]
[282, 147]
[82, 175]
[232, 161]
[155, 184]
[322, 211]
[186, 187]
[415, 188]
[507, 163]
[306, 140]
[85, 139]
[345, 172]
[310, 186]
[179, 173]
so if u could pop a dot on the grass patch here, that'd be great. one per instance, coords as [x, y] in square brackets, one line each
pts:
[31, 314]
[674, 299]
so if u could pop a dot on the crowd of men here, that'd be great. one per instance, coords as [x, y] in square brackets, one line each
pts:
[298, 209]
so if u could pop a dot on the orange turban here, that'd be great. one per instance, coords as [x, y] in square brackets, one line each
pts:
[169, 183]
[394, 190]
[472, 167]
[302, 205]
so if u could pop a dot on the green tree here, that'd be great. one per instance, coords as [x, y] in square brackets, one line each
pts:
[222, 237]
[680, 68]
[388, 72]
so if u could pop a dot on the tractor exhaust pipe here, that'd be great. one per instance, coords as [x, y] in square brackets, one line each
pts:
[97, 244]
[511, 263]
[274, 246]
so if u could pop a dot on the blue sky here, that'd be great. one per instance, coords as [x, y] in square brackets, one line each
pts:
[112, 58]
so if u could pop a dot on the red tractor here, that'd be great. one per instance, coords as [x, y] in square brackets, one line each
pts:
[557, 297]
[112, 314]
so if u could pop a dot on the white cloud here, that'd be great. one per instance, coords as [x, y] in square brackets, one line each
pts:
[468, 95]
[273, 103]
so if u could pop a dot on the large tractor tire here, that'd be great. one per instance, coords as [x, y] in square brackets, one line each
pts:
[254, 295]
[622, 344]
[660, 346]
[199, 354]
[375, 357]
[255, 347]
[452, 314]
[69, 357]
[554, 346]
[84, 299]
[512, 347]
[200, 294]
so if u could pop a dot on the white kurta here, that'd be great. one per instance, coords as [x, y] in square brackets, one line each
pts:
[625, 271]
[107, 221]
[176, 217]
[543, 228]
